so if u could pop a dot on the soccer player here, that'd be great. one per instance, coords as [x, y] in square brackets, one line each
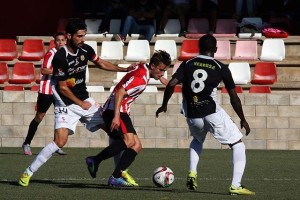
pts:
[72, 101]
[116, 116]
[200, 77]
[45, 98]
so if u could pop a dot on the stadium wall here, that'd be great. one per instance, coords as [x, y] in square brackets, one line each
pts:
[274, 120]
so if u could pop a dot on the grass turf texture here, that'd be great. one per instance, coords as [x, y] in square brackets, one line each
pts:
[271, 174]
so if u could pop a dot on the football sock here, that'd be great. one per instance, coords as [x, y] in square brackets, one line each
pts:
[195, 152]
[43, 156]
[127, 158]
[113, 149]
[117, 156]
[31, 131]
[239, 163]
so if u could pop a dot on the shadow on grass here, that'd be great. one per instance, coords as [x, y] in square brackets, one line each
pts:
[106, 187]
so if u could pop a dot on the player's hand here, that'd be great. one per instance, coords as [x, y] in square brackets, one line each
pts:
[244, 124]
[115, 124]
[85, 105]
[161, 109]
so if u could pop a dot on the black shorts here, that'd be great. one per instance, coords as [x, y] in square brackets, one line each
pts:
[44, 102]
[126, 125]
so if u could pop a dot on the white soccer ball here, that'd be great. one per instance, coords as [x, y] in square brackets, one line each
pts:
[163, 177]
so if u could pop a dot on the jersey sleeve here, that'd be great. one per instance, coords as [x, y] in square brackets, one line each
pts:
[60, 65]
[90, 53]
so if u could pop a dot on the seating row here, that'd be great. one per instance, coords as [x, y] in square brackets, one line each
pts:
[264, 73]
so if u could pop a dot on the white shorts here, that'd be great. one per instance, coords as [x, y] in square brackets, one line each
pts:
[68, 116]
[219, 124]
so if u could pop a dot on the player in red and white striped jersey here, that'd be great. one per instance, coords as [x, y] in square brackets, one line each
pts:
[45, 97]
[116, 117]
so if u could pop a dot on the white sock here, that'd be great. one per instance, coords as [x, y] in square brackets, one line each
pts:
[239, 163]
[42, 157]
[195, 152]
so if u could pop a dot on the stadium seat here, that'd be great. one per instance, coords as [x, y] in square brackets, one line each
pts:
[189, 49]
[175, 67]
[223, 50]
[38, 79]
[198, 25]
[178, 89]
[14, 88]
[238, 89]
[23, 73]
[245, 50]
[93, 44]
[241, 72]
[4, 74]
[264, 73]
[273, 50]
[8, 49]
[260, 89]
[172, 28]
[226, 28]
[112, 50]
[167, 45]
[92, 25]
[95, 88]
[32, 50]
[138, 50]
[257, 21]
[120, 75]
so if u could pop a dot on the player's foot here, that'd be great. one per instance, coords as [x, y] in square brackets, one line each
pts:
[118, 182]
[24, 180]
[191, 182]
[240, 191]
[61, 152]
[127, 177]
[26, 149]
[92, 166]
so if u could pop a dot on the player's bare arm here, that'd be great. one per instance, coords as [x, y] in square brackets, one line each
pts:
[237, 106]
[64, 89]
[167, 95]
[102, 64]
[120, 94]
[46, 71]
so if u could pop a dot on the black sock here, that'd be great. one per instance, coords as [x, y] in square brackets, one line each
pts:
[113, 149]
[127, 158]
[31, 131]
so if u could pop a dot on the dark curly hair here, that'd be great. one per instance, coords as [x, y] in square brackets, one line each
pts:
[160, 56]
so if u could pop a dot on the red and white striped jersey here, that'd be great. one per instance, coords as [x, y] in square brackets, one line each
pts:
[134, 82]
[45, 86]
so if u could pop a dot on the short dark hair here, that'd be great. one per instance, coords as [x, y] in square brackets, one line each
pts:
[58, 34]
[160, 56]
[207, 43]
[74, 25]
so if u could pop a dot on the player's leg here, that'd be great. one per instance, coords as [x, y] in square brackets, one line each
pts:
[198, 132]
[226, 132]
[42, 105]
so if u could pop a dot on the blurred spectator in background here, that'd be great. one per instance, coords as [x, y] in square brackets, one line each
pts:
[140, 20]
[211, 8]
[179, 7]
[114, 8]
[239, 8]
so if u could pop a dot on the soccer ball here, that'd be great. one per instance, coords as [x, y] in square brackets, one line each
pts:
[163, 177]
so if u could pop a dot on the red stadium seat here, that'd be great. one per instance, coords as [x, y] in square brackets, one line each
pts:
[32, 50]
[8, 49]
[189, 49]
[245, 50]
[260, 89]
[13, 88]
[238, 89]
[35, 88]
[178, 89]
[264, 73]
[4, 75]
[23, 73]
[223, 50]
